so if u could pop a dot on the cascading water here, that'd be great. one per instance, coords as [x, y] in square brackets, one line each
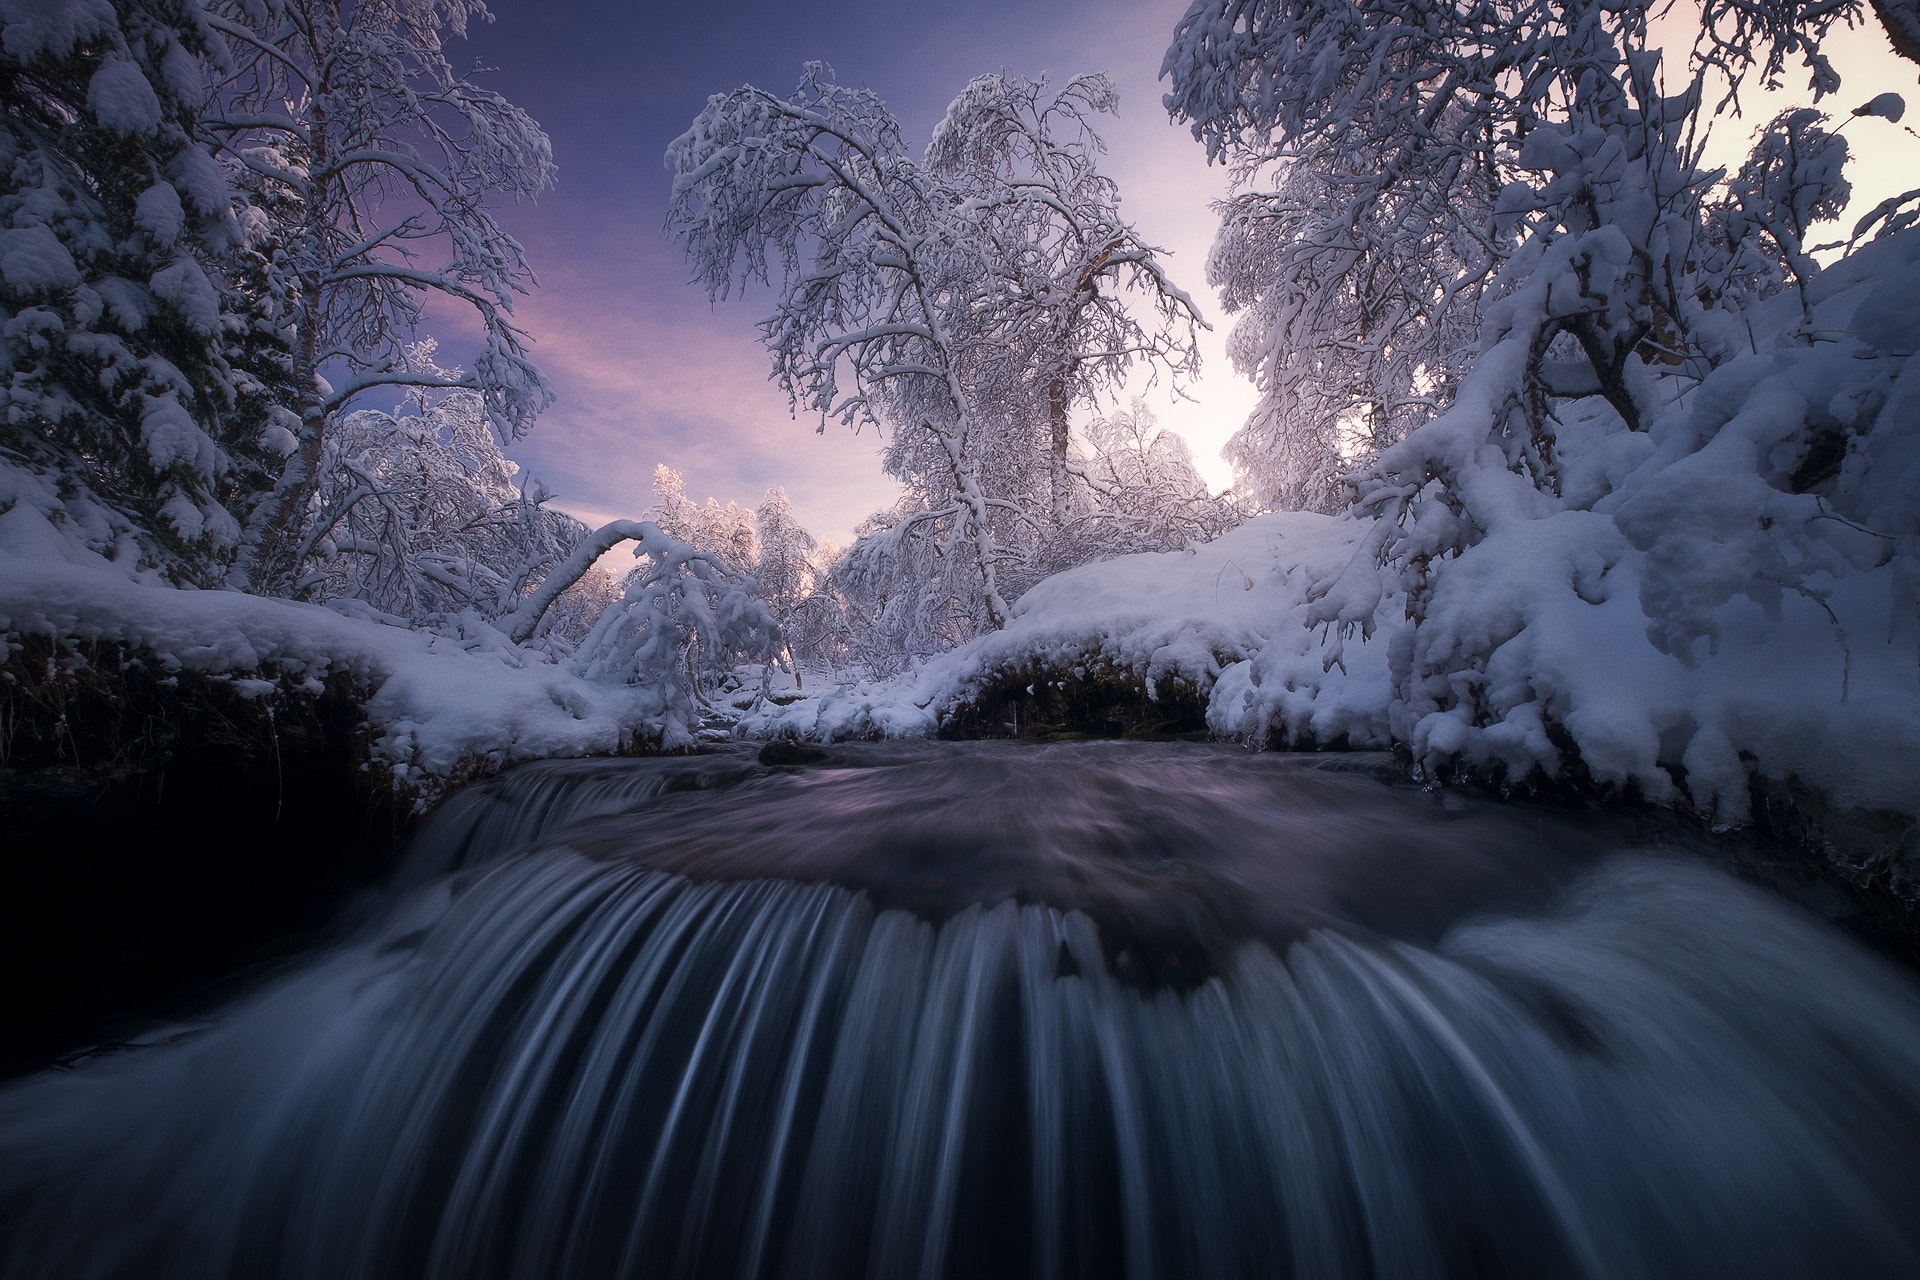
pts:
[980, 1010]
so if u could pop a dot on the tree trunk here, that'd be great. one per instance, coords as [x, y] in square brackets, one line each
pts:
[1057, 456]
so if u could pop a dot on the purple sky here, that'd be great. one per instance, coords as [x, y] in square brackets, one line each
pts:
[646, 370]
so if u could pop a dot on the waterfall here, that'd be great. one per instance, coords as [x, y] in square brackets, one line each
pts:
[1071, 1011]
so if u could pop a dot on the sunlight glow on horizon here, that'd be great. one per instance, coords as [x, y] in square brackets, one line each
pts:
[648, 372]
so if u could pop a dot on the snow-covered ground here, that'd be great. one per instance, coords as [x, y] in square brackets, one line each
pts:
[1226, 615]
[437, 702]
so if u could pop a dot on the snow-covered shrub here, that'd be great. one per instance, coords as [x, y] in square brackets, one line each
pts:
[421, 517]
[1731, 591]
[683, 620]
[1794, 178]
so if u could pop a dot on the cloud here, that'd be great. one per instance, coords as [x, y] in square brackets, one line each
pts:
[644, 379]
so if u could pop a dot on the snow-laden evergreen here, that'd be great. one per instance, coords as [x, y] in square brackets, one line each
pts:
[129, 404]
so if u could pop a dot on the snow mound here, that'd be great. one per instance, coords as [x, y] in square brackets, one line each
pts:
[437, 702]
[1227, 616]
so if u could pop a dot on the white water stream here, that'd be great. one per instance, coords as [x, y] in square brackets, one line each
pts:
[990, 1010]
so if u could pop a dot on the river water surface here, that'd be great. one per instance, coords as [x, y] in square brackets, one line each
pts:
[995, 1010]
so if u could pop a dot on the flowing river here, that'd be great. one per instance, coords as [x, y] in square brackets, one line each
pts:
[1089, 1010]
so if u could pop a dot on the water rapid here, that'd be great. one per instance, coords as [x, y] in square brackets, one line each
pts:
[986, 1010]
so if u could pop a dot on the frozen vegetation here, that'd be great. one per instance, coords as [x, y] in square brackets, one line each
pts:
[1572, 463]
[1673, 619]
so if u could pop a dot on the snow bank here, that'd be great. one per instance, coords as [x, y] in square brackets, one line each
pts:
[1228, 616]
[436, 702]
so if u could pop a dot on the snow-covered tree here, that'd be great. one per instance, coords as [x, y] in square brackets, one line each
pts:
[1416, 155]
[963, 304]
[683, 618]
[1738, 37]
[784, 565]
[1062, 323]
[905, 595]
[368, 162]
[1418, 148]
[130, 404]
[1359, 305]
[820, 184]
[676, 514]
[1144, 493]
[729, 532]
[797, 588]
[818, 629]
[421, 516]
[1600, 299]
[726, 531]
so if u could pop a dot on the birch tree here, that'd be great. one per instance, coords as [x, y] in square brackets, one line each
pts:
[963, 304]
[1079, 299]
[817, 188]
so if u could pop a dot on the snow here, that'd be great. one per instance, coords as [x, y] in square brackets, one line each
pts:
[1888, 106]
[1888, 318]
[186, 286]
[198, 176]
[121, 99]
[437, 703]
[158, 212]
[32, 260]
[1675, 621]
[34, 27]
[172, 438]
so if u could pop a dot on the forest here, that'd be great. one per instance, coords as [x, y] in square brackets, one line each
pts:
[1576, 461]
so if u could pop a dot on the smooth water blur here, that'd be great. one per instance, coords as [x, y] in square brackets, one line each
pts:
[994, 1010]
